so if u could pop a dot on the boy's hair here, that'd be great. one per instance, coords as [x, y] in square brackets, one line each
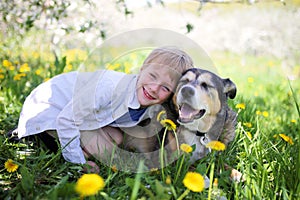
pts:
[171, 57]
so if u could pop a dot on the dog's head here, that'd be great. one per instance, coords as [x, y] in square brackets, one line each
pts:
[200, 97]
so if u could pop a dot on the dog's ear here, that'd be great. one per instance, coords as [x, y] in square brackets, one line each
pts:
[229, 88]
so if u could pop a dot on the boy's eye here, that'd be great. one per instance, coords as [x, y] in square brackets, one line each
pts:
[166, 89]
[153, 76]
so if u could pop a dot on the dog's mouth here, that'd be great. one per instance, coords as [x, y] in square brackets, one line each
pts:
[187, 113]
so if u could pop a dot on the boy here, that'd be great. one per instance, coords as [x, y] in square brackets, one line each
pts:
[85, 109]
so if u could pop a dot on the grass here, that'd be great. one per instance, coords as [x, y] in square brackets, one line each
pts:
[265, 150]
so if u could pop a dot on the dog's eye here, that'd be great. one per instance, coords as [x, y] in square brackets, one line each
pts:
[186, 80]
[204, 85]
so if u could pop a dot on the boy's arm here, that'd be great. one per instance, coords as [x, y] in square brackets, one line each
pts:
[69, 135]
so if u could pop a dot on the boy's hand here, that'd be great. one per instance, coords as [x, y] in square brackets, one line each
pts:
[91, 167]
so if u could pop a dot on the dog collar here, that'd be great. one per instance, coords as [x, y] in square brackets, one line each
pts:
[200, 134]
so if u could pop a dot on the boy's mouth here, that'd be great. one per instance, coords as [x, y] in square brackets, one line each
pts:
[147, 95]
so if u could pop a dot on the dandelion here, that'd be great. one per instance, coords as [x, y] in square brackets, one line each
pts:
[215, 183]
[293, 121]
[186, 148]
[250, 79]
[10, 166]
[24, 68]
[169, 124]
[38, 72]
[249, 135]
[194, 181]
[159, 116]
[265, 114]
[168, 180]
[240, 106]
[11, 68]
[6, 63]
[154, 171]
[1, 76]
[89, 184]
[258, 112]
[18, 77]
[247, 124]
[286, 138]
[216, 145]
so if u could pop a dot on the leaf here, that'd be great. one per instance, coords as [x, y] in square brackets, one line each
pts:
[27, 180]
[189, 27]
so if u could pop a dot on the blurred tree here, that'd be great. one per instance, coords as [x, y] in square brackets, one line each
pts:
[20, 16]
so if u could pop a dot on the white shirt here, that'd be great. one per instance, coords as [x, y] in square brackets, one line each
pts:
[75, 101]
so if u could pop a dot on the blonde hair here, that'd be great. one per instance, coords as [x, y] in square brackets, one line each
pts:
[171, 57]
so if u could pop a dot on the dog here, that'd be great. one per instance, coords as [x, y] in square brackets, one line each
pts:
[199, 108]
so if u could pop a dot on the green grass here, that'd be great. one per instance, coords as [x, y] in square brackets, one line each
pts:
[270, 164]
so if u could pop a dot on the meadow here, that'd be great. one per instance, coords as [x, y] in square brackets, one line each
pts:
[265, 149]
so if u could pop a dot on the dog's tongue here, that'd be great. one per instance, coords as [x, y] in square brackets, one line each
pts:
[187, 112]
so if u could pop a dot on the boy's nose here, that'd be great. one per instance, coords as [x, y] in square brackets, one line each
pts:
[154, 88]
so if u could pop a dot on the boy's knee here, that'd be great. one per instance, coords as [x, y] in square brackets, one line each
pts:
[114, 133]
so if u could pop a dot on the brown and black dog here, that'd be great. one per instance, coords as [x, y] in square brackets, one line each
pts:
[202, 112]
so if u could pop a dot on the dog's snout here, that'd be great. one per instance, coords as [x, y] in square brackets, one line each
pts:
[187, 91]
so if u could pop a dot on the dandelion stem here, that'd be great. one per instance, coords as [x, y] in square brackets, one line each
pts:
[184, 194]
[180, 166]
[177, 143]
[211, 176]
[162, 154]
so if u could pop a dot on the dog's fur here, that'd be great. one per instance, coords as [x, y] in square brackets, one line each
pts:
[201, 109]
[199, 106]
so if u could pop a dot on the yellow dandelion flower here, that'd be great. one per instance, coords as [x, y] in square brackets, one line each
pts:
[194, 181]
[168, 180]
[1, 76]
[215, 183]
[68, 67]
[250, 79]
[127, 70]
[154, 171]
[169, 124]
[247, 124]
[38, 72]
[11, 68]
[258, 112]
[18, 77]
[240, 106]
[89, 184]
[265, 114]
[24, 68]
[46, 79]
[293, 121]
[216, 145]
[159, 116]
[6, 63]
[286, 138]
[249, 135]
[133, 56]
[10, 166]
[114, 168]
[186, 148]
[256, 94]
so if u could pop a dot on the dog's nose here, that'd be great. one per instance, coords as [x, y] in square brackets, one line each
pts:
[187, 91]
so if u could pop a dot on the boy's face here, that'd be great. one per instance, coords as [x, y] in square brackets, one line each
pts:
[155, 84]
